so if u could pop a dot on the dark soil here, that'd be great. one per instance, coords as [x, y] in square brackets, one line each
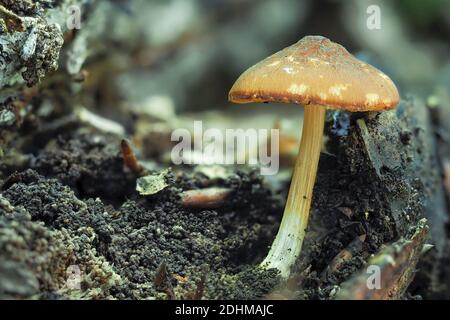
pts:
[74, 203]
[137, 234]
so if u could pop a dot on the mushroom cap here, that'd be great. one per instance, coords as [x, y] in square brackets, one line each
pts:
[317, 71]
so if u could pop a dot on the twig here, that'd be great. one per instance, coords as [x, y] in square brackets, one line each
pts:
[98, 122]
[208, 198]
[129, 158]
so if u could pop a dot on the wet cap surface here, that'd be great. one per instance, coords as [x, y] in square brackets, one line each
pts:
[318, 71]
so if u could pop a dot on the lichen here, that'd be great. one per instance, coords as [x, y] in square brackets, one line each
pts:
[31, 39]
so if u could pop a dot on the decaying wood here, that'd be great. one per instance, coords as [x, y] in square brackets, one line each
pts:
[440, 112]
[344, 256]
[401, 147]
[403, 150]
[397, 265]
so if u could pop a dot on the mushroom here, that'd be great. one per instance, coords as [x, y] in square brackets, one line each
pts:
[319, 74]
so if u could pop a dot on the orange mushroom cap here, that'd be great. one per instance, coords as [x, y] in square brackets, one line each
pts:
[317, 71]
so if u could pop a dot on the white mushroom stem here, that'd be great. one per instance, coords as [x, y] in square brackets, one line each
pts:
[288, 242]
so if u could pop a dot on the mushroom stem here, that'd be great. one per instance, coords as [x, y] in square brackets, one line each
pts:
[288, 242]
